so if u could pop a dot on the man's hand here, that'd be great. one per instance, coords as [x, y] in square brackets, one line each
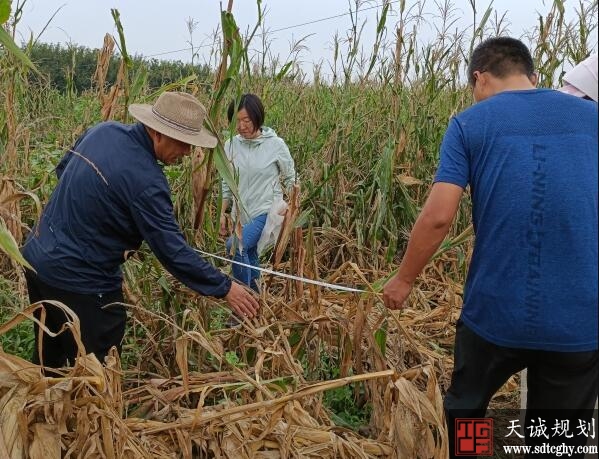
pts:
[241, 301]
[396, 292]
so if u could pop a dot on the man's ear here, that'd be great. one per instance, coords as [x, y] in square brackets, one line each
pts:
[534, 79]
[483, 78]
[151, 132]
[154, 136]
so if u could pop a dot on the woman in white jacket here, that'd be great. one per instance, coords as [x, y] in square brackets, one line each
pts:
[264, 168]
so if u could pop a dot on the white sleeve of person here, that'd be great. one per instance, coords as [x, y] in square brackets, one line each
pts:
[286, 167]
[273, 225]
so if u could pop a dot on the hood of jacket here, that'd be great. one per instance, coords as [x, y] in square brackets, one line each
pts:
[267, 133]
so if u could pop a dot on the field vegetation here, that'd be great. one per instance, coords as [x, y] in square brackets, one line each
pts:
[320, 373]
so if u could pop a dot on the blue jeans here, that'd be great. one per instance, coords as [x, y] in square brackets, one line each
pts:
[251, 233]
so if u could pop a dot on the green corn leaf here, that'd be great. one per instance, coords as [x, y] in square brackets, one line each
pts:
[139, 81]
[383, 20]
[7, 41]
[279, 76]
[449, 244]
[380, 336]
[224, 169]
[119, 26]
[483, 22]
[9, 246]
[294, 338]
[164, 284]
[303, 218]
[378, 285]
[4, 11]
[174, 86]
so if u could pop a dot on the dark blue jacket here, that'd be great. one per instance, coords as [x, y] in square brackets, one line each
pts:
[111, 195]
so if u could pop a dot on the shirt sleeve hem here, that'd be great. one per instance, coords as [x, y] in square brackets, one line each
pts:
[452, 180]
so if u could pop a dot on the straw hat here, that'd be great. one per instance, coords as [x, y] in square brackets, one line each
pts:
[582, 80]
[177, 115]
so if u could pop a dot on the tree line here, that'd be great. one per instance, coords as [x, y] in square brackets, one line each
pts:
[72, 67]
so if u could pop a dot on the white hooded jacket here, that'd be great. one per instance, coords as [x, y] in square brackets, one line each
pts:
[260, 165]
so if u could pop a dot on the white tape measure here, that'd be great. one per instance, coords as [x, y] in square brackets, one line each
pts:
[287, 276]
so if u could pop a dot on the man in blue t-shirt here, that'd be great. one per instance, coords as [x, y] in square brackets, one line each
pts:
[530, 300]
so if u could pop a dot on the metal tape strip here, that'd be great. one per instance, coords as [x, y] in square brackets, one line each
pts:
[286, 276]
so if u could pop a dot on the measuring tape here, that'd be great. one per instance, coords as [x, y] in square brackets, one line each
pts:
[285, 275]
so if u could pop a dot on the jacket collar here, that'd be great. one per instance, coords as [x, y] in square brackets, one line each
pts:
[139, 132]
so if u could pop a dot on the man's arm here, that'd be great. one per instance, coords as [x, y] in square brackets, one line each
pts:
[224, 231]
[152, 212]
[431, 227]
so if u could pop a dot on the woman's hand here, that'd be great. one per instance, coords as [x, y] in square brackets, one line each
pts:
[224, 227]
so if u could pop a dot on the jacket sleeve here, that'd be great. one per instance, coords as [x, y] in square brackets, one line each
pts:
[227, 194]
[153, 214]
[286, 166]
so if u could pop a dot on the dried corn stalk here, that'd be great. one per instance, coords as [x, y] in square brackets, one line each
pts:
[268, 410]
[110, 102]
[288, 222]
[102, 65]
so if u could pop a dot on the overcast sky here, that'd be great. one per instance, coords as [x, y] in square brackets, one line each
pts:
[157, 28]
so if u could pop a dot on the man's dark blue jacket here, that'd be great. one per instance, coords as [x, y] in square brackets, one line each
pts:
[111, 195]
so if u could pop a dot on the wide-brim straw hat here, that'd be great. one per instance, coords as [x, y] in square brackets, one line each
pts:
[177, 115]
[582, 79]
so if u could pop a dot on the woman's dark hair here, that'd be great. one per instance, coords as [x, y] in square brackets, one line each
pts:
[253, 106]
[501, 56]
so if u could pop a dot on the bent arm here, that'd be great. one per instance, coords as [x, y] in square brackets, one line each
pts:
[434, 221]
[153, 215]
[431, 227]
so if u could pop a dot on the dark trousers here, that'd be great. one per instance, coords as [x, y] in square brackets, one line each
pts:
[101, 327]
[560, 384]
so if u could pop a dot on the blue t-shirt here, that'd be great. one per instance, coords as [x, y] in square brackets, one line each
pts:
[111, 195]
[530, 158]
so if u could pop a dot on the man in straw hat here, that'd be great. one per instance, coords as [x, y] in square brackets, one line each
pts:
[529, 157]
[111, 195]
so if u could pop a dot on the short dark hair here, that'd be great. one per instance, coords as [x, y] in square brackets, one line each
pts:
[501, 57]
[253, 106]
